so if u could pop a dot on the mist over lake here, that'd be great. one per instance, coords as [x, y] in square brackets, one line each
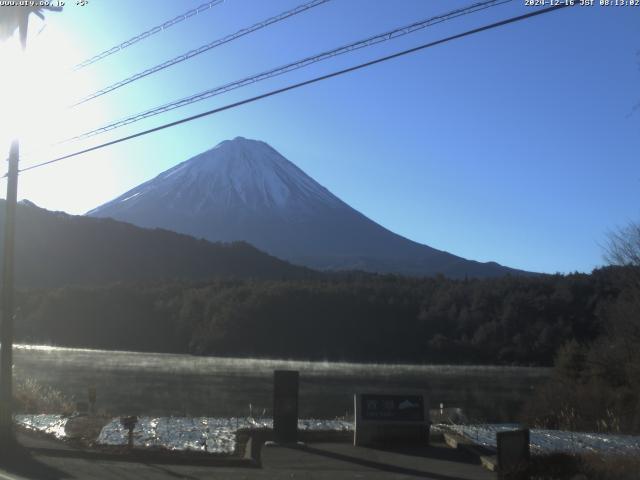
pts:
[168, 384]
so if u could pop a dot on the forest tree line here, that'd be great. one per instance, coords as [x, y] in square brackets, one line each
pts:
[596, 383]
[352, 317]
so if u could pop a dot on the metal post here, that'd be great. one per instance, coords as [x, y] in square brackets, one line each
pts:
[6, 327]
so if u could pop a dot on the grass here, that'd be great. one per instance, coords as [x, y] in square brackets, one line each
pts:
[33, 397]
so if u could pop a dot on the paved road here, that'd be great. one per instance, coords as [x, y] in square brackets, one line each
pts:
[323, 461]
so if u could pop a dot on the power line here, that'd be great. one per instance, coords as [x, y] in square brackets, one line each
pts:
[383, 37]
[204, 48]
[148, 33]
[302, 84]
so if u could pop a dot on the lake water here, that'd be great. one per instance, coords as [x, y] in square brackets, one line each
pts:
[183, 385]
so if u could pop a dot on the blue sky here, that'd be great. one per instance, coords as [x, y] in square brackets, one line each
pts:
[514, 145]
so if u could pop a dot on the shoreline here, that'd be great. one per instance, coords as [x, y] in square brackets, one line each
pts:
[337, 364]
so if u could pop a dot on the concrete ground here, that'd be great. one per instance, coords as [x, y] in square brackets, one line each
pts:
[42, 458]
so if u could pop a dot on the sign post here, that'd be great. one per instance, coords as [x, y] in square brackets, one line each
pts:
[129, 424]
[91, 395]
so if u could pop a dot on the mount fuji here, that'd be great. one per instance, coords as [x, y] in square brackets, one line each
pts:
[245, 190]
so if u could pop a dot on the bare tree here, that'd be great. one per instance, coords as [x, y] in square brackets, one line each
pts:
[623, 246]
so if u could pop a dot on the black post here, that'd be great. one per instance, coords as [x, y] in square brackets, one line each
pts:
[513, 454]
[285, 406]
[6, 327]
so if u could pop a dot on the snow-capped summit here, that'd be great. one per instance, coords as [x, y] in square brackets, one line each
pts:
[245, 190]
[238, 173]
[243, 172]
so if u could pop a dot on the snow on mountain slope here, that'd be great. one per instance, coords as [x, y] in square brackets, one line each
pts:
[235, 172]
[245, 190]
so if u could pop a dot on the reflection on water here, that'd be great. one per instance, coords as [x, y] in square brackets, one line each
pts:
[184, 385]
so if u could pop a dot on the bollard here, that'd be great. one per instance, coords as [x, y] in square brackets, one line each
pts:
[285, 406]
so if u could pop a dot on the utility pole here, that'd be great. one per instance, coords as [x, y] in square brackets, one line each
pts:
[7, 434]
[18, 18]
[6, 327]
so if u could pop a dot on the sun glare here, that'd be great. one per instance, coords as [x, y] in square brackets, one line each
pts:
[36, 88]
[12, 117]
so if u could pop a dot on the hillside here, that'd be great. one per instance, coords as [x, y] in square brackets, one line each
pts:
[55, 249]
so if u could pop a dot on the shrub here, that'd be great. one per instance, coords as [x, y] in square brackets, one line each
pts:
[33, 397]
